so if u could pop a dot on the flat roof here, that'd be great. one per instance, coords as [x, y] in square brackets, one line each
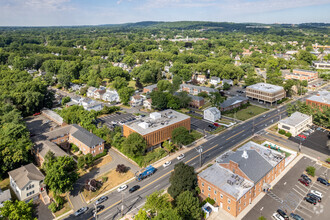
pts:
[308, 71]
[295, 119]
[226, 180]
[323, 97]
[167, 118]
[266, 87]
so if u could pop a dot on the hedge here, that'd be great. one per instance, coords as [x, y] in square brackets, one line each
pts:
[281, 131]
[101, 154]
[310, 170]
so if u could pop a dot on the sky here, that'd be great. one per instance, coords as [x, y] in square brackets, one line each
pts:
[96, 12]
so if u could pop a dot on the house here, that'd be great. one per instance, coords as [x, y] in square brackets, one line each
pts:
[201, 78]
[75, 100]
[237, 178]
[27, 182]
[147, 104]
[90, 104]
[228, 81]
[75, 87]
[98, 94]
[41, 148]
[90, 91]
[212, 114]
[136, 100]
[234, 102]
[111, 96]
[196, 101]
[215, 80]
[296, 123]
[195, 90]
[4, 196]
[149, 89]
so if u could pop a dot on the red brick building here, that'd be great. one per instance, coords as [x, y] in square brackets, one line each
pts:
[239, 177]
[300, 74]
[322, 99]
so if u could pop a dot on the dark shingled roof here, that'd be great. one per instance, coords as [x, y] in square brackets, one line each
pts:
[85, 136]
[255, 166]
[232, 101]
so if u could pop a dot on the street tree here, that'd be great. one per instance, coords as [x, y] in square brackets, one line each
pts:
[134, 145]
[188, 206]
[181, 135]
[169, 214]
[119, 82]
[17, 210]
[125, 94]
[157, 201]
[159, 100]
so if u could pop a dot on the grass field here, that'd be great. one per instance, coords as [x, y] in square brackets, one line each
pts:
[196, 134]
[247, 113]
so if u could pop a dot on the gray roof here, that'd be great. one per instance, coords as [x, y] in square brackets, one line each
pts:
[197, 98]
[85, 136]
[222, 178]
[4, 196]
[295, 119]
[266, 87]
[25, 174]
[309, 71]
[213, 110]
[53, 116]
[322, 96]
[232, 101]
[255, 166]
[44, 146]
[201, 88]
[151, 87]
[215, 78]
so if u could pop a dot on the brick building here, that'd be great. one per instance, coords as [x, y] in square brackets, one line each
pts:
[237, 178]
[196, 101]
[322, 99]
[265, 92]
[234, 102]
[158, 127]
[300, 74]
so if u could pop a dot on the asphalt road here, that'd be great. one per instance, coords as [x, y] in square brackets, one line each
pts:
[160, 180]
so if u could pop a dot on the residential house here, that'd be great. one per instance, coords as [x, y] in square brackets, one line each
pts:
[90, 91]
[75, 87]
[27, 182]
[212, 114]
[196, 101]
[232, 103]
[111, 96]
[149, 89]
[296, 123]
[75, 100]
[215, 80]
[228, 81]
[4, 196]
[147, 104]
[98, 94]
[136, 100]
[201, 79]
[90, 104]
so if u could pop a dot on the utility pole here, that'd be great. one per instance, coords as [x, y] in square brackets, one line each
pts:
[200, 151]
[95, 214]
[122, 204]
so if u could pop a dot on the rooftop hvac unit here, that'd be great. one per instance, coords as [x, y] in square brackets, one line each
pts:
[155, 115]
[144, 125]
[230, 182]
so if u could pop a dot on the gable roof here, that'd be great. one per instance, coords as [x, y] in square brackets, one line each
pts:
[42, 147]
[85, 136]
[232, 101]
[25, 174]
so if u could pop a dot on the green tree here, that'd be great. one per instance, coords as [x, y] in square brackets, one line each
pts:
[89, 159]
[226, 86]
[163, 85]
[125, 94]
[138, 84]
[306, 56]
[176, 82]
[81, 162]
[216, 98]
[119, 82]
[181, 135]
[182, 179]
[134, 145]
[141, 215]
[183, 98]
[65, 100]
[168, 214]
[61, 174]
[188, 206]
[17, 210]
[159, 100]
[168, 145]
[157, 201]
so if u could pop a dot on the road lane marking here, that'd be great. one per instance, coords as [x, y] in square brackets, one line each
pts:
[106, 209]
[234, 135]
[82, 198]
[70, 201]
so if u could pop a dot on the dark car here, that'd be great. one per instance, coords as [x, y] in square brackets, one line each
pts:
[212, 126]
[283, 214]
[318, 199]
[134, 188]
[323, 181]
[118, 113]
[296, 217]
[310, 200]
[98, 209]
[305, 182]
[305, 177]
[101, 199]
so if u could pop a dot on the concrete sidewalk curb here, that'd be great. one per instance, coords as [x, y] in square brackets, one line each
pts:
[64, 215]
[124, 156]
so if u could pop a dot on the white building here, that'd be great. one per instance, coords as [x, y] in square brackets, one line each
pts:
[90, 104]
[215, 80]
[27, 182]
[4, 196]
[147, 104]
[136, 100]
[212, 114]
[90, 91]
[201, 78]
[321, 65]
[111, 96]
[296, 123]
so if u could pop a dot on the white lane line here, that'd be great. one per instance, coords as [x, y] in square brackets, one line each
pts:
[300, 189]
[308, 209]
[157, 185]
[193, 164]
[298, 192]
[304, 187]
[303, 213]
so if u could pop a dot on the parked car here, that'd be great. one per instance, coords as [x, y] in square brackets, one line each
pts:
[101, 199]
[296, 217]
[277, 216]
[122, 188]
[81, 211]
[134, 188]
[37, 113]
[305, 177]
[310, 200]
[319, 194]
[216, 124]
[318, 199]
[180, 157]
[323, 181]
[97, 209]
[302, 136]
[212, 126]
[305, 182]
[283, 214]
[167, 163]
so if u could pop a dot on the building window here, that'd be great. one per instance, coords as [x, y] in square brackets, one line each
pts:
[221, 196]
[209, 188]
[244, 203]
[245, 196]
[215, 199]
[239, 209]
[228, 208]
[215, 192]
[202, 184]
[228, 201]
[202, 190]
[239, 201]
[209, 196]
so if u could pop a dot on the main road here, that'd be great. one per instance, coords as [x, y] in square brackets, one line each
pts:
[125, 202]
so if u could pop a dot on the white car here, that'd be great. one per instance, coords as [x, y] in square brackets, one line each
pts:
[277, 216]
[167, 163]
[122, 188]
[317, 193]
[180, 157]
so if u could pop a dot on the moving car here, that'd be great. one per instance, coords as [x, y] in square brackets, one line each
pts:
[81, 211]
[296, 217]
[180, 157]
[318, 199]
[303, 181]
[101, 199]
[323, 181]
[134, 188]
[122, 188]
[317, 193]
[167, 163]
[310, 200]
[305, 177]
[283, 214]
[98, 209]
[277, 216]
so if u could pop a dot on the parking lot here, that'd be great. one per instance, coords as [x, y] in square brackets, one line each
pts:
[116, 119]
[201, 125]
[288, 195]
[39, 124]
[316, 140]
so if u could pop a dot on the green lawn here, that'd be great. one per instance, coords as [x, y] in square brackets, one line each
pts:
[247, 113]
[196, 134]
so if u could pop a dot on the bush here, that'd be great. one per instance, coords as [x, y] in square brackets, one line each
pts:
[262, 218]
[104, 179]
[281, 131]
[101, 154]
[74, 148]
[53, 207]
[121, 168]
[310, 170]
[288, 134]
[209, 200]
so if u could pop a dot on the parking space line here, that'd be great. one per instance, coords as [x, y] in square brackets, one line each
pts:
[308, 209]
[298, 192]
[304, 213]
[321, 190]
[322, 187]
[300, 188]
[305, 187]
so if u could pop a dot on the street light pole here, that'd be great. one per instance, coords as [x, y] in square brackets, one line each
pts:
[95, 211]
[200, 151]
[122, 204]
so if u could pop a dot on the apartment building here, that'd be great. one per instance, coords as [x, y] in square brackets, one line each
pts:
[158, 127]
[300, 74]
[195, 90]
[321, 65]
[237, 178]
[265, 92]
[322, 99]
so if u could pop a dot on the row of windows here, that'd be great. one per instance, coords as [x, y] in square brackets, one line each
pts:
[30, 193]
[30, 186]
